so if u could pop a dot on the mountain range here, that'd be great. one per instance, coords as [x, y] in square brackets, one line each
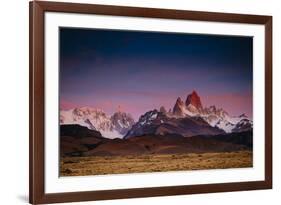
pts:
[115, 126]
[215, 117]
[186, 119]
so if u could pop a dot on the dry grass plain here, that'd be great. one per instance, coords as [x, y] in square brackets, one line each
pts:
[96, 165]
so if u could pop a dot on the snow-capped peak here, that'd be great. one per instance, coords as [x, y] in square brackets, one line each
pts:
[216, 117]
[122, 122]
[115, 126]
[148, 117]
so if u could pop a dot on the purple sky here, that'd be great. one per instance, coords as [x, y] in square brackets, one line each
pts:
[140, 71]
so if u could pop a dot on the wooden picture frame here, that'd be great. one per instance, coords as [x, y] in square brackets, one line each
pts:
[37, 98]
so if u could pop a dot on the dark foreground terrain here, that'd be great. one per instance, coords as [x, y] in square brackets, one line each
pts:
[86, 152]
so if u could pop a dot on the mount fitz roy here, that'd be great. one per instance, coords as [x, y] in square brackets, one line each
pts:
[186, 119]
[216, 117]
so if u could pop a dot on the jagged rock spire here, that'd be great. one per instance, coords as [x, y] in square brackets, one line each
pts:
[194, 99]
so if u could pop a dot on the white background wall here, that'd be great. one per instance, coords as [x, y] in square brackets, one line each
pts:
[14, 100]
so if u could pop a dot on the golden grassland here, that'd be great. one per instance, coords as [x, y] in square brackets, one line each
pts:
[96, 165]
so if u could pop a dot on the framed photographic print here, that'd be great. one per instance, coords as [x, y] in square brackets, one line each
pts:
[139, 102]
